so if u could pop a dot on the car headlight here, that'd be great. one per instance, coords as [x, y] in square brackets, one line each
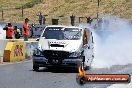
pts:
[37, 52]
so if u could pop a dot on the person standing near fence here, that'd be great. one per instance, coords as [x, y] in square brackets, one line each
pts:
[89, 20]
[16, 32]
[9, 31]
[26, 30]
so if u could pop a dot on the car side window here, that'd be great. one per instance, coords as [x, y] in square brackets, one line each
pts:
[86, 36]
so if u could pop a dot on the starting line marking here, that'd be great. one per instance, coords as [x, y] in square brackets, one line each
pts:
[11, 63]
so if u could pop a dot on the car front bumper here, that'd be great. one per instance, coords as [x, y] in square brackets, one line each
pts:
[43, 62]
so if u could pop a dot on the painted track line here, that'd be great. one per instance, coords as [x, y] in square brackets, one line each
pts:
[11, 63]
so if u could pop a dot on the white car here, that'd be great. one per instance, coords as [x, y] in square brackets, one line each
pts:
[66, 46]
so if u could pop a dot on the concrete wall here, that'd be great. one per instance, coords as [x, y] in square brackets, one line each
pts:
[30, 46]
[2, 46]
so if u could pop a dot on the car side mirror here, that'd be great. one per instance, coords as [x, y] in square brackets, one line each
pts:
[37, 39]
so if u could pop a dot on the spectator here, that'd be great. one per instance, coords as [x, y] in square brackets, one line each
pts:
[26, 30]
[17, 32]
[89, 20]
[9, 31]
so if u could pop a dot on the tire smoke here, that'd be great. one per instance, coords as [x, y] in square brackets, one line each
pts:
[112, 42]
[2, 33]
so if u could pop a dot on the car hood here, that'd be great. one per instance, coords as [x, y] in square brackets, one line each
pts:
[60, 45]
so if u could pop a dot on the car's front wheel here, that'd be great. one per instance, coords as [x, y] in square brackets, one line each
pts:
[84, 65]
[35, 68]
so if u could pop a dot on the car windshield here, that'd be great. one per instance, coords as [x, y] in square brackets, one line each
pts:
[61, 33]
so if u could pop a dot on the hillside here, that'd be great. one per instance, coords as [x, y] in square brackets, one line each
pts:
[53, 8]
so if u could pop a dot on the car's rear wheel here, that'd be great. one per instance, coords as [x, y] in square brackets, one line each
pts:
[35, 68]
[84, 65]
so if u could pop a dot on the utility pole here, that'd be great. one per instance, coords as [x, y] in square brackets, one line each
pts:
[98, 3]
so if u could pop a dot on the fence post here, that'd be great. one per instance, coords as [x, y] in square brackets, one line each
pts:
[98, 10]
[22, 13]
[2, 15]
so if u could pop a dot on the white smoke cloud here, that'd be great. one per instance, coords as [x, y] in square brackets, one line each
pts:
[115, 46]
[112, 42]
[2, 33]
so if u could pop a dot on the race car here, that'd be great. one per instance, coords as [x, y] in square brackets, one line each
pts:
[64, 46]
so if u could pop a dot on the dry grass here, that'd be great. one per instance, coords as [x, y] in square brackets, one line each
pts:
[7, 4]
[54, 8]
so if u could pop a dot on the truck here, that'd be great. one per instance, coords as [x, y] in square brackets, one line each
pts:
[64, 46]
